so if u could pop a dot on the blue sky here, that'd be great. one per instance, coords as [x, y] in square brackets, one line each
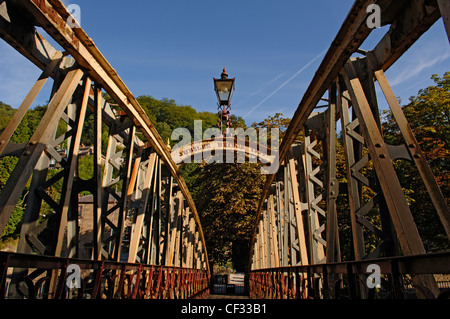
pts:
[174, 48]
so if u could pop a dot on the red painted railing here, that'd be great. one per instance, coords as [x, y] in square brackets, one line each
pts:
[44, 277]
[349, 279]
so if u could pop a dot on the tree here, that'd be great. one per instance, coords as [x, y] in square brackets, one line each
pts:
[227, 197]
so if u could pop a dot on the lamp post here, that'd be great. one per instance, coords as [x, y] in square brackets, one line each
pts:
[224, 88]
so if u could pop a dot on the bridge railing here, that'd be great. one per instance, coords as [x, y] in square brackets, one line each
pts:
[333, 198]
[384, 278]
[98, 279]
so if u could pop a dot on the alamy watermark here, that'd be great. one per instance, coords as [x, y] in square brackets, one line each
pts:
[237, 145]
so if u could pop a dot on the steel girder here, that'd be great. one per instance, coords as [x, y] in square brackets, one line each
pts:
[140, 209]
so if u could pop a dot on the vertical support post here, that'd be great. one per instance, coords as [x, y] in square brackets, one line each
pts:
[298, 213]
[23, 108]
[333, 251]
[352, 184]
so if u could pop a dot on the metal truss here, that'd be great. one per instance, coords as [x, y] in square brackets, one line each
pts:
[307, 184]
[141, 210]
[315, 281]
